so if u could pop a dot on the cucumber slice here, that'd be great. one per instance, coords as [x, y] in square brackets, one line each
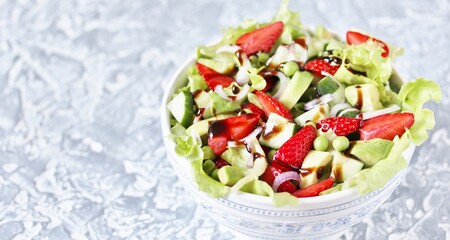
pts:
[327, 85]
[295, 88]
[181, 108]
[277, 131]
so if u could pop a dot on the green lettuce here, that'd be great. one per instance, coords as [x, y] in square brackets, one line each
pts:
[186, 145]
[292, 24]
[206, 183]
[366, 58]
[375, 177]
[413, 96]
[222, 106]
[238, 157]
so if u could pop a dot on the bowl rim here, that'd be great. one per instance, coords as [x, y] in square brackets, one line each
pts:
[248, 199]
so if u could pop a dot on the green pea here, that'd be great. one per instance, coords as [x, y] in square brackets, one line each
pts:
[340, 143]
[321, 143]
[263, 57]
[290, 68]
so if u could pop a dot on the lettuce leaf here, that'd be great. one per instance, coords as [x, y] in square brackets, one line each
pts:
[413, 96]
[186, 145]
[221, 106]
[206, 183]
[366, 58]
[238, 157]
[292, 24]
[375, 177]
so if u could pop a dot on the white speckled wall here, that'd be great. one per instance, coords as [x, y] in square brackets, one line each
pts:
[81, 154]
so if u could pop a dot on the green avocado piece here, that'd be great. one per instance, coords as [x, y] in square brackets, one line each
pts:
[372, 151]
[344, 167]
[230, 175]
[256, 187]
[223, 62]
[364, 96]
[295, 88]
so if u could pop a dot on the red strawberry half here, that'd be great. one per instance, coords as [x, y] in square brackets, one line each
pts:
[342, 126]
[356, 38]
[386, 126]
[271, 105]
[261, 39]
[329, 65]
[315, 190]
[235, 128]
[254, 109]
[272, 171]
[213, 78]
[294, 150]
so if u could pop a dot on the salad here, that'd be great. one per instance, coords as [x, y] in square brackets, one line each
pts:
[280, 110]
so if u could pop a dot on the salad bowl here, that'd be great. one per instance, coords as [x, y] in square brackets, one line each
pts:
[251, 216]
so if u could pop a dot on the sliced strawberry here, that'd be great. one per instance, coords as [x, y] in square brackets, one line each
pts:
[314, 190]
[261, 39]
[329, 65]
[213, 78]
[220, 162]
[272, 171]
[386, 126]
[356, 38]
[254, 109]
[342, 126]
[271, 105]
[294, 150]
[235, 128]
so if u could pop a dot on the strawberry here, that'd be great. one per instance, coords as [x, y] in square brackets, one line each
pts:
[254, 109]
[272, 171]
[271, 105]
[294, 150]
[356, 38]
[342, 126]
[329, 65]
[261, 39]
[235, 128]
[315, 189]
[220, 162]
[213, 78]
[386, 126]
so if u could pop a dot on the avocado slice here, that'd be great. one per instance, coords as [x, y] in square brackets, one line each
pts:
[223, 62]
[181, 108]
[316, 114]
[230, 175]
[327, 85]
[364, 96]
[256, 187]
[295, 88]
[313, 167]
[344, 167]
[372, 151]
[277, 131]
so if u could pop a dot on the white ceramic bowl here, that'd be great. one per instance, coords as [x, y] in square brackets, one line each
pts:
[251, 216]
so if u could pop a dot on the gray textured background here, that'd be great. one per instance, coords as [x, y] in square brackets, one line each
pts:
[81, 154]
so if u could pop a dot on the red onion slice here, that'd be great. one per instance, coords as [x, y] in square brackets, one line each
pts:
[228, 48]
[242, 76]
[390, 109]
[338, 107]
[284, 81]
[283, 177]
